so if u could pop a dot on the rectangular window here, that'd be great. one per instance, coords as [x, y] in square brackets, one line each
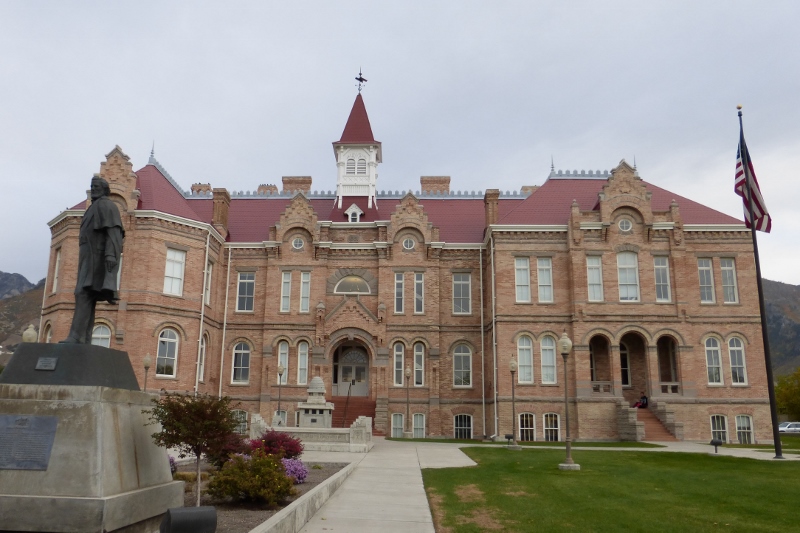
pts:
[730, 294]
[305, 291]
[398, 292]
[744, 429]
[461, 294]
[419, 426]
[419, 293]
[548, 350]
[662, 278]
[302, 363]
[594, 275]
[286, 291]
[282, 415]
[545, 278]
[173, 272]
[625, 366]
[397, 426]
[398, 364]
[628, 275]
[245, 295]
[522, 269]
[419, 364]
[706, 281]
[56, 270]
[719, 428]
[207, 288]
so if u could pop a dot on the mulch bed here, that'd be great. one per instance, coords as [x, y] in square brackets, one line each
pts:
[241, 517]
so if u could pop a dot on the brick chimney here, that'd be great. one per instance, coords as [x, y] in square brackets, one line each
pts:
[267, 189]
[219, 218]
[204, 188]
[490, 199]
[435, 184]
[297, 183]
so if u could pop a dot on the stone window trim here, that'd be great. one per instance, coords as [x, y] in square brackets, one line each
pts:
[246, 269]
[544, 254]
[709, 255]
[461, 270]
[627, 248]
[56, 270]
[239, 286]
[175, 246]
[409, 269]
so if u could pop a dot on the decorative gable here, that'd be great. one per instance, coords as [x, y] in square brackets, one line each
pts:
[298, 214]
[410, 213]
[625, 189]
[118, 172]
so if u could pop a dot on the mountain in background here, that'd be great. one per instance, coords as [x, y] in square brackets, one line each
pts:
[21, 304]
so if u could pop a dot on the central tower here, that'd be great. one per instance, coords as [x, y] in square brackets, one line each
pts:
[357, 157]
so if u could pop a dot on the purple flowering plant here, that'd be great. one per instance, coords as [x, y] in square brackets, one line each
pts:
[295, 469]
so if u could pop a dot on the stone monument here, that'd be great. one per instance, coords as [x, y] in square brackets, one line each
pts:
[75, 451]
[315, 412]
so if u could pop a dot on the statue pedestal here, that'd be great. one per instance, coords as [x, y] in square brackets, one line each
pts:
[79, 458]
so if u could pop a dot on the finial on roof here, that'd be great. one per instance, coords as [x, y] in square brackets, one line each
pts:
[361, 80]
[634, 161]
[552, 164]
[152, 154]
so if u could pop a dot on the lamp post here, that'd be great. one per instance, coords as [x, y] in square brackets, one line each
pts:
[565, 346]
[281, 370]
[147, 361]
[513, 367]
[408, 434]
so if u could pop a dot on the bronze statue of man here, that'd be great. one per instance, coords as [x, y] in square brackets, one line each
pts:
[100, 242]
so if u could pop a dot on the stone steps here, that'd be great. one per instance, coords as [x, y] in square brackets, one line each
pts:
[654, 430]
[358, 406]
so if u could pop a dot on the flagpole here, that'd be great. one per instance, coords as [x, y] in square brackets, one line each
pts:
[762, 309]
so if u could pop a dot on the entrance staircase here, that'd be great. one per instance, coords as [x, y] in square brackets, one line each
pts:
[654, 430]
[357, 406]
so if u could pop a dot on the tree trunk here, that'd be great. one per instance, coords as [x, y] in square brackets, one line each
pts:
[197, 481]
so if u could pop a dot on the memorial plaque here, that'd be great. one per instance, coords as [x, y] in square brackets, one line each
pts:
[46, 363]
[26, 441]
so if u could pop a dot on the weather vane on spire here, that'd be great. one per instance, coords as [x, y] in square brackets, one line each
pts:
[361, 80]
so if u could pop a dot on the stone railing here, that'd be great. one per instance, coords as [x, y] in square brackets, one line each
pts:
[670, 387]
[357, 438]
[601, 387]
[628, 426]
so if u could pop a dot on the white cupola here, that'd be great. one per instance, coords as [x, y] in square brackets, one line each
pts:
[357, 157]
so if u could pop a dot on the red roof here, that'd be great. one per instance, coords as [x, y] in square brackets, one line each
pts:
[357, 130]
[551, 203]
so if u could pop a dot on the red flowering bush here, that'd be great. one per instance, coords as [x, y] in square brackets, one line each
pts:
[276, 443]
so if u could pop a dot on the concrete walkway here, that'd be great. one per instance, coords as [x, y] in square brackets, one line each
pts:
[385, 492]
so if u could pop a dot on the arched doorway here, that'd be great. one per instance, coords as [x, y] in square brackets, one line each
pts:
[633, 366]
[350, 370]
[600, 365]
[668, 365]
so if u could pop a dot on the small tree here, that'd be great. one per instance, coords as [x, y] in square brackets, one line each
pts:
[194, 425]
[787, 394]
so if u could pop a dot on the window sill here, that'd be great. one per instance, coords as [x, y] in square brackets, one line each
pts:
[462, 387]
[741, 385]
[520, 302]
[546, 303]
[244, 312]
[664, 301]
[732, 303]
[630, 301]
[708, 303]
[462, 314]
[172, 295]
[164, 376]
[239, 383]
[549, 384]
[716, 385]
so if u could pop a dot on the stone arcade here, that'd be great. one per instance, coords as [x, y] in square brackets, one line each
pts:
[413, 303]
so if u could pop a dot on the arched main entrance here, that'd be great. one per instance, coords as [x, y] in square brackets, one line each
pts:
[350, 370]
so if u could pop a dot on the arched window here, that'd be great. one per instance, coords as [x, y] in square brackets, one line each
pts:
[352, 285]
[527, 427]
[419, 364]
[419, 426]
[48, 334]
[167, 360]
[202, 369]
[361, 167]
[525, 359]
[713, 364]
[462, 366]
[462, 426]
[283, 360]
[397, 425]
[548, 352]
[552, 427]
[241, 418]
[738, 370]
[241, 363]
[719, 428]
[350, 168]
[101, 336]
[302, 363]
[744, 429]
[399, 350]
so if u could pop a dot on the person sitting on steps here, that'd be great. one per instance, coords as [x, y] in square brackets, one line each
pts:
[642, 403]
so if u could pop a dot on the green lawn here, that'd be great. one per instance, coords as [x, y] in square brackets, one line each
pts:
[613, 491]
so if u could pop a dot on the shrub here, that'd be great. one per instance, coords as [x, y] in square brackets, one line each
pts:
[260, 478]
[295, 469]
[276, 443]
[233, 444]
[173, 466]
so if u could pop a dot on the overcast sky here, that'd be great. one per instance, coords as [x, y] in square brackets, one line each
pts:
[242, 93]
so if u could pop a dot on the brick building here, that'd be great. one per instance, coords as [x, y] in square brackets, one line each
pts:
[416, 302]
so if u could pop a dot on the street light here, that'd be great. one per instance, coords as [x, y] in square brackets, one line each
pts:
[281, 370]
[565, 346]
[408, 434]
[147, 361]
[512, 365]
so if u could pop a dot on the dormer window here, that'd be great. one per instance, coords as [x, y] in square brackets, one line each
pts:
[350, 168]
[354, 213]
[362, 167]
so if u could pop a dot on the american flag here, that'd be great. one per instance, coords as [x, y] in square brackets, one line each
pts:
[763, 222]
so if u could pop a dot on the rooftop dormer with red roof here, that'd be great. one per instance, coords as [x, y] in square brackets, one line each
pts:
[357, 157]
